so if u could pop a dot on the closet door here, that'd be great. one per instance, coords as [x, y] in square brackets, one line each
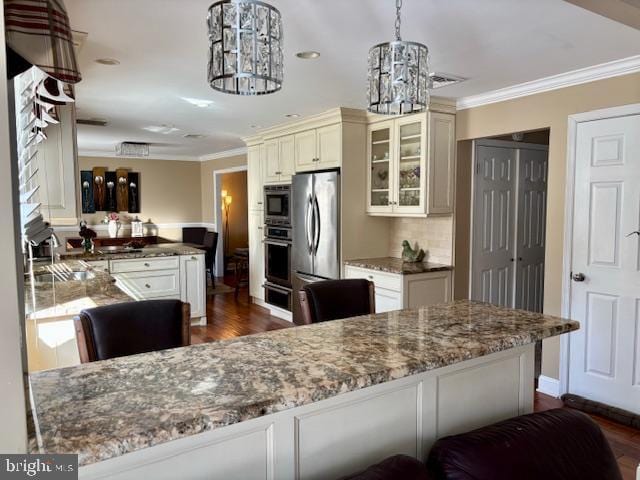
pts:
[532, 217]
[494, 225]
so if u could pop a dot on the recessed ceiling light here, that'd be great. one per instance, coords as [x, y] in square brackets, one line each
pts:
[292, 115]
[108, 61]
[198, 102]
[308, 55]
[193, 136]
[164, 129]
[256, 126]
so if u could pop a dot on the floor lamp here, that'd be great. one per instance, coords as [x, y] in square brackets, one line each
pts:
[226, 206]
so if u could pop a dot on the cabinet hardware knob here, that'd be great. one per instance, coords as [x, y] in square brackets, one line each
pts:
[147, 265]
[147, 285]
[193, 258]
[370, 277]
[259, 203]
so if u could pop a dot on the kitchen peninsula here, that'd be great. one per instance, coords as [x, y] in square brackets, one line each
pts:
[278, 404]
[54, 293]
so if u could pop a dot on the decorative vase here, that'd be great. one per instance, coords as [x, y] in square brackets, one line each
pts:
[87, 244]
[113, 228]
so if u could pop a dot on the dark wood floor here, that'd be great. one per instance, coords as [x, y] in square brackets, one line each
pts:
[228, 317]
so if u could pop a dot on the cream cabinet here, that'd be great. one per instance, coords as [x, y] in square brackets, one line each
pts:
[396, 291]
[411, 165]
[318, 149]
[179, 277]
[279, 161]
[193, 284]
[255, 177]
[256, 255]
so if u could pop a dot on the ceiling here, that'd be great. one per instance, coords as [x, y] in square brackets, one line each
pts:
[162, 49]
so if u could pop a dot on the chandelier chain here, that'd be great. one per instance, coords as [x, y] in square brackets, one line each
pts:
[398, 7]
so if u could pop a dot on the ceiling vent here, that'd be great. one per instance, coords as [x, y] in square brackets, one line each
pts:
[132, 149]
[439, 80]
[92, 122]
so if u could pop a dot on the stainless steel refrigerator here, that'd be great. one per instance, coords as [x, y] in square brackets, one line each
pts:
[316, 230]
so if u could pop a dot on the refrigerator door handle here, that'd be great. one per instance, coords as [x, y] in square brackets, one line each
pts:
[316, 216]
[309, 224]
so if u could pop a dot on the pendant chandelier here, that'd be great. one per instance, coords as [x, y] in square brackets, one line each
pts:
[245, 47]
[398, 80]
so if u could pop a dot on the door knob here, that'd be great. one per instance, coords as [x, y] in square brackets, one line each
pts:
[633, 233]
[578, 277]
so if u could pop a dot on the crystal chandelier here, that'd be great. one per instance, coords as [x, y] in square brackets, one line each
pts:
[245, 47]
[398, 80]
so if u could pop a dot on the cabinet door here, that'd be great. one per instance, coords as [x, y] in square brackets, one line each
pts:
[380, 167]
[387, 301]
[441, 162]
[429, 289]
[329, 152]
[193, 284]
[271, 162]
[256, 255]
[254, 178]
[57, 157]
[305, 144]
[410, 168]
[287, 150]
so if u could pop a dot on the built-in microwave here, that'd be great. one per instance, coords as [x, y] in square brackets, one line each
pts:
[277, 205]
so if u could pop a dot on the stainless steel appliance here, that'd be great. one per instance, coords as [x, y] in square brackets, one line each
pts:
[316, 230]
[278, 246]
[278, 255]
[277, 205]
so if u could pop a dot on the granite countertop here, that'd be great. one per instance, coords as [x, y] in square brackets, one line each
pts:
[105, 409]
[397, 265]
[55, 298]
[161, 250]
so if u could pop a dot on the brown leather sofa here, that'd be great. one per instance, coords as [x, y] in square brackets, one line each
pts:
[558, 444]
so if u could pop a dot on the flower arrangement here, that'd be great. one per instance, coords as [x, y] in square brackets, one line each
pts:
[111, 217]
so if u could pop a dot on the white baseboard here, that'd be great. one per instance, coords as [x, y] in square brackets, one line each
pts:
[549, 386]
[275, 311]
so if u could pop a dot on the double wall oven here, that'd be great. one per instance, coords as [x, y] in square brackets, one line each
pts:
[278, 246]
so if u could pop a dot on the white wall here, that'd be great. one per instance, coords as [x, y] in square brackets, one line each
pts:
[12, 413]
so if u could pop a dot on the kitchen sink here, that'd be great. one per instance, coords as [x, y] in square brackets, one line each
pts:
[44, 278]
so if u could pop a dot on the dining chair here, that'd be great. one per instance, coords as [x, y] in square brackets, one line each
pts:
[335, 299]
[194, 235]
[132, 327]
[210, 243]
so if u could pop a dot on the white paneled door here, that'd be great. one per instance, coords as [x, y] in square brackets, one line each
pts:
[494, 225]
[510, 205]
[605, 291]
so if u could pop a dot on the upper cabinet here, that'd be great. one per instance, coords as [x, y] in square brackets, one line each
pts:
[255, 177]
[411, 165]
[318, 149]
[279, 159]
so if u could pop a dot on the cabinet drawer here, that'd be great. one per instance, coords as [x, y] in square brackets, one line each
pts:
[387, 300]
[145, 264]
[388, 281]
[143, 285]
[100, 265]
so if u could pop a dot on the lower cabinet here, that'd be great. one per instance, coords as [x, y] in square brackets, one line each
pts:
[193, 284]
[397, 291]
[256, 255]
[180, 277]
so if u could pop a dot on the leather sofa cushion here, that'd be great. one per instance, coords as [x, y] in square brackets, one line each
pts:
[558, 444]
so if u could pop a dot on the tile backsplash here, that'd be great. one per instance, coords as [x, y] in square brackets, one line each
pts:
[433, 234]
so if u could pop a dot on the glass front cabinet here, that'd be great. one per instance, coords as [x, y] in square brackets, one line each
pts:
[407, 157]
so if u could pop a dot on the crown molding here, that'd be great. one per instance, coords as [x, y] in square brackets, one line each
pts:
[615, 68]
[111, 154]
[227, 153]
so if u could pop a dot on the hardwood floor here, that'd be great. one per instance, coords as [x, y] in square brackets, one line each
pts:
[228, 317]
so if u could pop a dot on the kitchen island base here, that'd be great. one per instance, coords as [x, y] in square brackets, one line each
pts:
[343, 434]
